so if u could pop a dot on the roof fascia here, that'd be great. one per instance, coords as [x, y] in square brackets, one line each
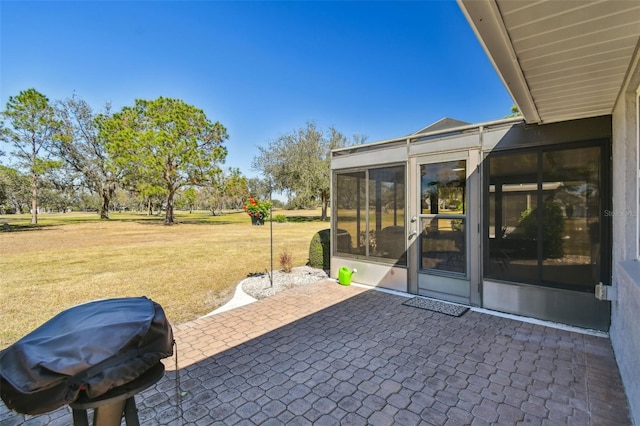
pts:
[407, 139]
[486, 21]
[632, 78]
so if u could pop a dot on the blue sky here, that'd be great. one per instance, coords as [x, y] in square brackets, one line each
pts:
[382, 69]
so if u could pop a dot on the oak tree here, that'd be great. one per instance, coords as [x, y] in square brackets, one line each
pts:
[14, 190]
[298, 163]
[83, 148]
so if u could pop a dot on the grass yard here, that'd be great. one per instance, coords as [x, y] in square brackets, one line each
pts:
[189, 268]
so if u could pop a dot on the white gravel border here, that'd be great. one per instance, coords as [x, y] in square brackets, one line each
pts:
[260, 286]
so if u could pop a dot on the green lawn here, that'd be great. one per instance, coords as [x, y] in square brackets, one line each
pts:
[190, 268]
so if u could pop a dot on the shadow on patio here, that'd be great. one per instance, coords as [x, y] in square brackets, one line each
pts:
[328, 354]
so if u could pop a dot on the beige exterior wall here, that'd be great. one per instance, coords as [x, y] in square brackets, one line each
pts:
[625, 323]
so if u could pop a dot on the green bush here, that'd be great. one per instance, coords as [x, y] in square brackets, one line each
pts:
[280, 218]
[552, 228]
[320, 250]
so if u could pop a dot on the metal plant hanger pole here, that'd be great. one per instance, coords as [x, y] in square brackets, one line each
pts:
[271, 229]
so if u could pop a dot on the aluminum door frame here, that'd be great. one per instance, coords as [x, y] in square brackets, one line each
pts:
[468, 288]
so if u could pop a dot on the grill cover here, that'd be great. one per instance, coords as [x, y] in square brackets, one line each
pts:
[92, 347]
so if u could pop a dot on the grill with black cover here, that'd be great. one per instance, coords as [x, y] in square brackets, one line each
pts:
[90, 348]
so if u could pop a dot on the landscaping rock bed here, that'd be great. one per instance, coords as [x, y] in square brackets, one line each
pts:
[259, 286]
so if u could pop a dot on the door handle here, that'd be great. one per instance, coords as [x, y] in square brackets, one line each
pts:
[412, 234]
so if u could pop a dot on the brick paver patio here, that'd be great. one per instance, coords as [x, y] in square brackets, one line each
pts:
[326, 354]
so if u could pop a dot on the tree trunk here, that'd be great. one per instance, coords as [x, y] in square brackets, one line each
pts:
[149, 207]
[324, 196]
[18, 206]
[168, 218]
[34, 199]
[105, 196]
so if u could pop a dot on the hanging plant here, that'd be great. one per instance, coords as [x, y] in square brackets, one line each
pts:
[258, 210]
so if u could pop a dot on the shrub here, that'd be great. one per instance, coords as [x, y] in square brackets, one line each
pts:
[320, 250]
[280, 218]
[552, 228]
[286, 261]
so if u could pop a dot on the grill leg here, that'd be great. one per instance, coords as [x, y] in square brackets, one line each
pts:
[131, 412]
[80, 417]
[108, 415]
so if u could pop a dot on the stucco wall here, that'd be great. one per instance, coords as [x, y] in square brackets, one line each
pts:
[625, 326]
[625, 332]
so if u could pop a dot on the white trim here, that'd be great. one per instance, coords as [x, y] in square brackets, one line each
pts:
[535, 321]
[381, 289]
[527, 320]
[486, 21]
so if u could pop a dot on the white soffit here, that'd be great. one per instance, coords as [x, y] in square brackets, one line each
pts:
[559, 59]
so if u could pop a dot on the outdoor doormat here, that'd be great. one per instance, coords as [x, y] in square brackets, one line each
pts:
[437, 306]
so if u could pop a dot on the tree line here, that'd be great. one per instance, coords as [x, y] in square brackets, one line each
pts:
[161, 154]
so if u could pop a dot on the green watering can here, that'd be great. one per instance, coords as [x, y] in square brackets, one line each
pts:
[344, 275]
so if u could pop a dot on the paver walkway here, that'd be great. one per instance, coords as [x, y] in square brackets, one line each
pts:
[326, 354]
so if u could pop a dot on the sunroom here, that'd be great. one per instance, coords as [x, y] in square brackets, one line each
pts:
[500, 215]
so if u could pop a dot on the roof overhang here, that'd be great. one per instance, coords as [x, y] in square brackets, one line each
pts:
[559, 60]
